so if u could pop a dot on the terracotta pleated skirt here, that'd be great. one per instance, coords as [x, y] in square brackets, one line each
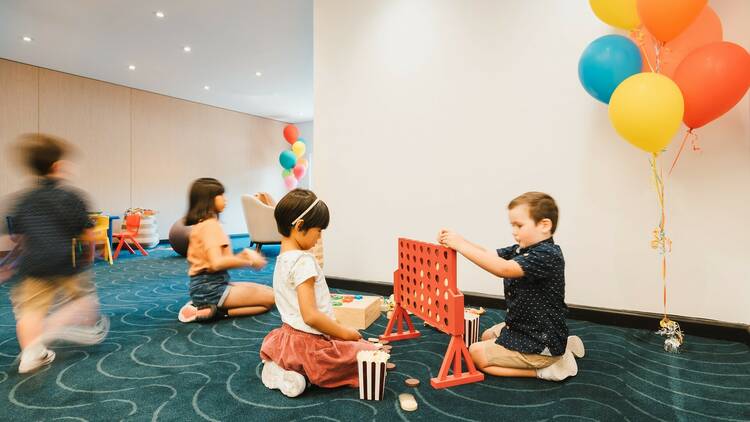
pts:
[325, 362]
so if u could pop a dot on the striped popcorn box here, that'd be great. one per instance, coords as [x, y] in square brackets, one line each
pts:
[471, 328]
[371, 366]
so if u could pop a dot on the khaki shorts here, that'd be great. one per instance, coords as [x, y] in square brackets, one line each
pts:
[37, 295]
[498, 355]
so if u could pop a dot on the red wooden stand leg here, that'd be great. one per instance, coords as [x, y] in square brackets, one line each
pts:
[456, 350]
[399, 315]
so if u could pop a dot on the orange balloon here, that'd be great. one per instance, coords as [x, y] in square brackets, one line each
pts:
[666, 19]
[705, 29]
[712, 79]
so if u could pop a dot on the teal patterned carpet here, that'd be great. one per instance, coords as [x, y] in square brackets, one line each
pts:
[152, 368]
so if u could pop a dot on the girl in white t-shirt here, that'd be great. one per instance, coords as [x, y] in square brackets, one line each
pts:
[310, 343]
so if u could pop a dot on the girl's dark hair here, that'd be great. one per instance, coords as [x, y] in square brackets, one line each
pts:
[295, 203]
[202, 194]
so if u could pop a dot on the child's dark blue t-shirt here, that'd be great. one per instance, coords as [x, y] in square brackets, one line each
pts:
[48, 217]
[535, 321]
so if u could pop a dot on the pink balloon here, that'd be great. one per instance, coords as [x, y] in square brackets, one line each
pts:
[290, 182]
[299, 171]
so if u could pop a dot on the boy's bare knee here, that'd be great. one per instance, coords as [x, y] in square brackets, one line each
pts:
[476, 351]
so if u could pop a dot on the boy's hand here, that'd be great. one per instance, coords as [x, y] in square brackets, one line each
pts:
[450, 239]
[255, 259]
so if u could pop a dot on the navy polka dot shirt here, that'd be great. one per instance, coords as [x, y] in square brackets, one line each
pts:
[535, 321]
[48, 217]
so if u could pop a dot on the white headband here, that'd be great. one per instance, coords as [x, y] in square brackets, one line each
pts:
[315, 202]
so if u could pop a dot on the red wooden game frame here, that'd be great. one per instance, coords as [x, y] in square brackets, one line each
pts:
[425, 285]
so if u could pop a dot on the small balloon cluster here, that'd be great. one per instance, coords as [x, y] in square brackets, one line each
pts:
[292, 160]
[673, 67]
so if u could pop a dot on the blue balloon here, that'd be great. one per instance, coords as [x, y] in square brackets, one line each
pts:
[287, 159]
[605, 63]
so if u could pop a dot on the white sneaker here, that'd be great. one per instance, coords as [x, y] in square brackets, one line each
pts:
[291, 383]
[78, 334]
[558, 371]
[575, 346]
[34, 358]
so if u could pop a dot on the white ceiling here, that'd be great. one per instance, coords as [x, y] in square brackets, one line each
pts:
[231, 40]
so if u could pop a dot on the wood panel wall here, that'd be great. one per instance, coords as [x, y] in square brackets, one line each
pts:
[136, 148]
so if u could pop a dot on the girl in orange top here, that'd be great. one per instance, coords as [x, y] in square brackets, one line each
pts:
[210, 256]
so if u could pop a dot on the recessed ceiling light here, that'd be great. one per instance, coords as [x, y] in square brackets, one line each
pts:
[187, 49]
[131, 67]
[27, 38]
[206, 87]
[159, 14]
[258, 74]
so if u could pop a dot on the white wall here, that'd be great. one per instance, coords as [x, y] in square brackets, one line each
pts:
[433, 114]
[306, 132]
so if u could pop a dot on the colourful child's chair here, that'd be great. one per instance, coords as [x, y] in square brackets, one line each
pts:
[132, 225]
[98, 234]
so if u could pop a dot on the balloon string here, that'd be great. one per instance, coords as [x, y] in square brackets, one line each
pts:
[660, 242]
[694, 142]
[665, 319]
[657, 50]
[638, 35]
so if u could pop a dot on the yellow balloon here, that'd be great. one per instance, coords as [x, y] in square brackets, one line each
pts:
[646, 109]
[618, 13]
[298, 148]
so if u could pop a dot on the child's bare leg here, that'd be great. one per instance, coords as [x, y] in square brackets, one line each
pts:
[493, 332]
[499, 371]
[488, 335]
[31, 301]
[29, 327]
[248, 299]
[82, 311]
[246, 311]
[480, 361]
[190, 312]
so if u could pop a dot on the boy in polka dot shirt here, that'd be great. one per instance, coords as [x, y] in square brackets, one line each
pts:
[533, 341]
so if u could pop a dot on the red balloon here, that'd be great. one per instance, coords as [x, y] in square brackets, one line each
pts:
[291, 133]
[712, 79]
